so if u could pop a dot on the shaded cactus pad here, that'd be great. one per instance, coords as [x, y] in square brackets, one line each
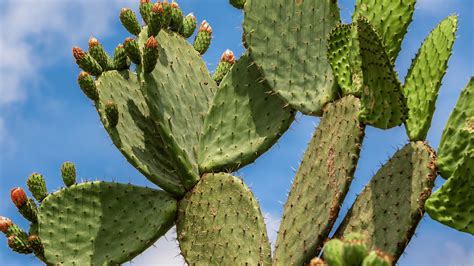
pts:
[452, 204]
[287, 40]
[244, 121]
[101, 223]
[391, 205]
[220, 223]
[321, 183]
[458, 135]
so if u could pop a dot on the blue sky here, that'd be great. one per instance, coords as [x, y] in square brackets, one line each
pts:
[45, 119]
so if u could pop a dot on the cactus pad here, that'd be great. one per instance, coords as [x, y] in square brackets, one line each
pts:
[452, 204]
[391, 205]
[458, 135]
[320, 184]
[390, 18]
[424, 78]
[179, 92]
[136, 135]
[383, 103]
[287, 40]
[220, 223]
[96, 223]
[237, 131]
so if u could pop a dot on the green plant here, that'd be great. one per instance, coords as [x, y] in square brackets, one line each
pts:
[186, 131]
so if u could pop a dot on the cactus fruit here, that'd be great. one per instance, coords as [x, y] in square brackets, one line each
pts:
[203, 38]
[18, 197]
[377, 258]
[145, 10]
[189, 26]
[345, 252]
[156, 19]
[68, 173]
[452, 203]
[87, 84]
[287, 40]
[224, 66]
[129, 21]
[121, 61]
[37, 186]
[424, 78]
[325, 173]
[98, 53]
[5, 224]
[220, 223]
[458, 135]
[133, 51]
[238, 3]
[150, 54]
[26, 206]
[389, 208]
[86, 61]
[176, 17]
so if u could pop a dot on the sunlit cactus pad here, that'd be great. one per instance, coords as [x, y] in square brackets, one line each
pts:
[244, 121]
[287, 39]
[101, 223]
[220, 223]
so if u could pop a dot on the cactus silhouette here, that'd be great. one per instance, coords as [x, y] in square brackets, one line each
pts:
[187, 131]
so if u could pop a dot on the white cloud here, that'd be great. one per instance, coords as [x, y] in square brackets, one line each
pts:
[35, 34]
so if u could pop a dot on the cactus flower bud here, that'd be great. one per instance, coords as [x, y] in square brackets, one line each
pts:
[5, 224]
[19, 244]
[129, 21]
[132, 50]
[177, 16]
[224, 66]
[112, 114]
[205, 27]
[19, 197]
[37, 186]
[68, 173]
[158, 8]
[156, 19]
[98, 53]
[317, 262]
[86, 61]
[87, 85]
[150, 54]
[166, 18]
[145, 10]
[121, 61]
[189, 26]
[203, 38]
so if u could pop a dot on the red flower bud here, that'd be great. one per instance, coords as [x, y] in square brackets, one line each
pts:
[158, 8]
[18, 196]
[205, 27]
[174, 5]
[144, 1]
[228, 56]
[78, 53]
[5, 224]
[93, 42]
[151, 43]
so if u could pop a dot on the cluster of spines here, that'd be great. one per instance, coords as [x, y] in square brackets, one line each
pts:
[18, 240]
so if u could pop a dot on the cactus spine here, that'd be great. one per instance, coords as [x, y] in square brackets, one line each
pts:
[185, 131]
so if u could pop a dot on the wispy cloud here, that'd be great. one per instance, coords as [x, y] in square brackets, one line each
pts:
[35, 34]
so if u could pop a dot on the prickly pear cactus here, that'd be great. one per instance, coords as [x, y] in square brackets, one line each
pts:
[186, 130]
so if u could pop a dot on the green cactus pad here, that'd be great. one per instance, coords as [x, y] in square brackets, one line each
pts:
[390, 18]
[239, 130]
[391, 205]
[101, 223]
[179, 92]
[320, 184]
[339, 50]
[37, 186]
[135, 135]
[424, 78]
[220, 223]
[345, 252]
[287, 40]
[458, 135]
[452, 204]
[383, 103]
